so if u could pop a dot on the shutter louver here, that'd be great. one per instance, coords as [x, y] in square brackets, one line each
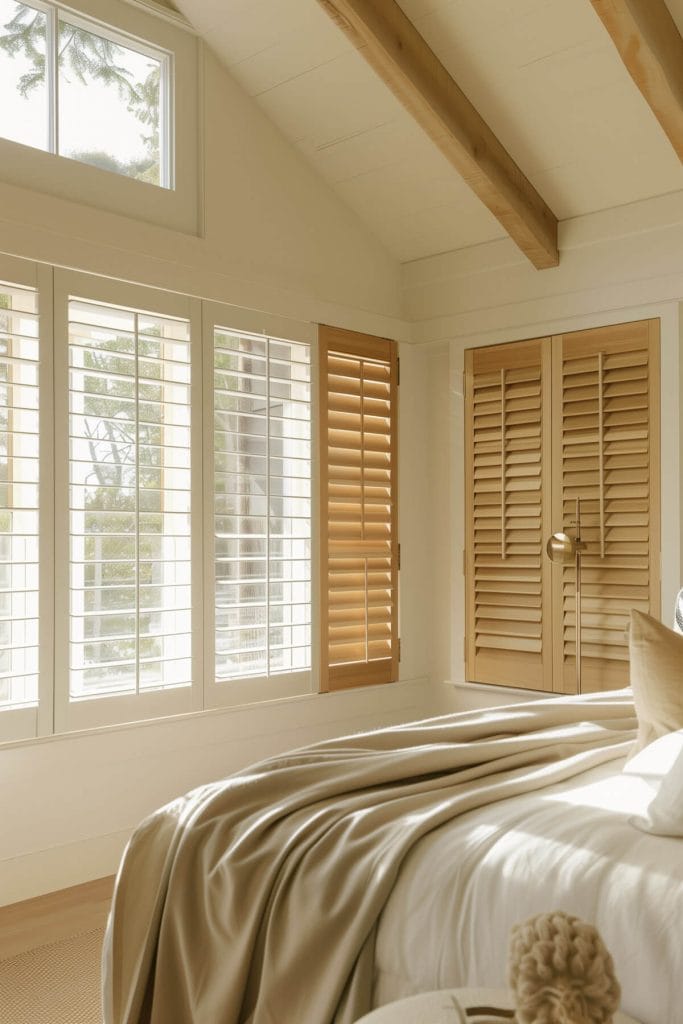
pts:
[506, 483]
[358, 407]
[606, 452]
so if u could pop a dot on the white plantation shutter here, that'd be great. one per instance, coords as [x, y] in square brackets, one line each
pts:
[19, 452]
[262, 506]
[507, 407]
[606, 452]
[130, 608]
[359, 528]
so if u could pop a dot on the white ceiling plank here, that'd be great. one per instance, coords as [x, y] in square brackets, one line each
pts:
[651, 47]
[394, 48]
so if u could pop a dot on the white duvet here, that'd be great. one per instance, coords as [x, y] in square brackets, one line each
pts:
[570, 847]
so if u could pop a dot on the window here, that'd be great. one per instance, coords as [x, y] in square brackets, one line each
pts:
[130, 501]
[83, 91]
[120, 101]
[159, 485]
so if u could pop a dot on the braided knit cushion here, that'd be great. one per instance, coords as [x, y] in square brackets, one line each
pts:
[560, 972]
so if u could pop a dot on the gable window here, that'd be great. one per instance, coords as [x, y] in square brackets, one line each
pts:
[77, 89]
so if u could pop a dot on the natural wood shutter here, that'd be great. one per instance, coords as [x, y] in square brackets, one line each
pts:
[358, 490]
[548, 421]
[507, 403]
[606, 452]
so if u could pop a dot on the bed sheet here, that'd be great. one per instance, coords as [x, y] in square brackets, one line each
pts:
[571, 847]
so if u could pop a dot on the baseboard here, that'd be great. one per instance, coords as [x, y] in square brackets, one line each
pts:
[59, 868]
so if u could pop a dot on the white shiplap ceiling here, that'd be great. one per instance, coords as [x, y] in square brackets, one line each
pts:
[543, 73]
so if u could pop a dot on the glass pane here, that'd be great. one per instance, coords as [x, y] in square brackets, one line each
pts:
[130, 573]
[24, 106]
[109, 104]
[262, 508]
[18, 496]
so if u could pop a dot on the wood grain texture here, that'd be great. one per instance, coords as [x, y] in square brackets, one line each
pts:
[391, 44]
[358, 417]
[651, 47]
[605, 452]
[507, 474]
[575, 416]
[55, 916]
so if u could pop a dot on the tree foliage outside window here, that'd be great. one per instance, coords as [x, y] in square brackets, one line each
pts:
[89, 58]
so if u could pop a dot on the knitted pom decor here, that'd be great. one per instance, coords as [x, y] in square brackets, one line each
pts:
[560, 972]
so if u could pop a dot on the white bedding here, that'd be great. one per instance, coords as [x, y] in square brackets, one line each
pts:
[571, 847]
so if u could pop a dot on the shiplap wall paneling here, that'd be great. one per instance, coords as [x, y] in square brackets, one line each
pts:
[606, 410]
[507, 485]
[358, 502]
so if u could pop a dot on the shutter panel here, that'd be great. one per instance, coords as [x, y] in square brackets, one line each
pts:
[262, 505]
[19, 355]
[130, 605]
[358, 481]
[606, 452]
[507, 391]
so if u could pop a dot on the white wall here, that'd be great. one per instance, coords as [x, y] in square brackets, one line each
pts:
[275, 236]
[277, 240]
[618, 265]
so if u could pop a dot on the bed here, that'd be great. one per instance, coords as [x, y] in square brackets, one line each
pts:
[570, 847]
[317, 885]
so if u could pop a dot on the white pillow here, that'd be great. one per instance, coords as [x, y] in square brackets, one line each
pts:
[660, 765]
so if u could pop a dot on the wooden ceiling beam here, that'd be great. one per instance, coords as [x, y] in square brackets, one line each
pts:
[651, 47]
[391, 44]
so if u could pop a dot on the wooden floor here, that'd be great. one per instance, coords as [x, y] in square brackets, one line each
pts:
[56, 916]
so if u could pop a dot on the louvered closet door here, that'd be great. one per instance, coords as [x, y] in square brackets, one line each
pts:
[605, 452]
[507, 411]
[358, 482]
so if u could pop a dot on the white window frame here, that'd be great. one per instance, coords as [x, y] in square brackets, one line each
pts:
[227, 693]
[37, 720]
[55, 712]
[86, 713]
[176, 205]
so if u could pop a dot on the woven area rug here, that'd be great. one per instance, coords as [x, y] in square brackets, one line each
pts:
[55, 984]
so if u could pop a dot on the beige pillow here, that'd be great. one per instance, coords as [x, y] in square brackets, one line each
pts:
[656, 678]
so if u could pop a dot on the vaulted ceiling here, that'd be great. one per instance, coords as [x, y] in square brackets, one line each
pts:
[544, 74]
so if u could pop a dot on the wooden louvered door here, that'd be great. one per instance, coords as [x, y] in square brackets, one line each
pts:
[359, 529]
[507, 402]
[605, 452]
[549, 421]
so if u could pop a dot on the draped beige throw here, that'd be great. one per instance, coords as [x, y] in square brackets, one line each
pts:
[255, 900]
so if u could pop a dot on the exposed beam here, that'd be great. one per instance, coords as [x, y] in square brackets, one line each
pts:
[651, 47]
[391, 44]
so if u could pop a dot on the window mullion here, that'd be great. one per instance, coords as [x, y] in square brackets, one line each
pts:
[52, 77]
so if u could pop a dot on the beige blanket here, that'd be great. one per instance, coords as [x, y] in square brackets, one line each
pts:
[255, 900]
